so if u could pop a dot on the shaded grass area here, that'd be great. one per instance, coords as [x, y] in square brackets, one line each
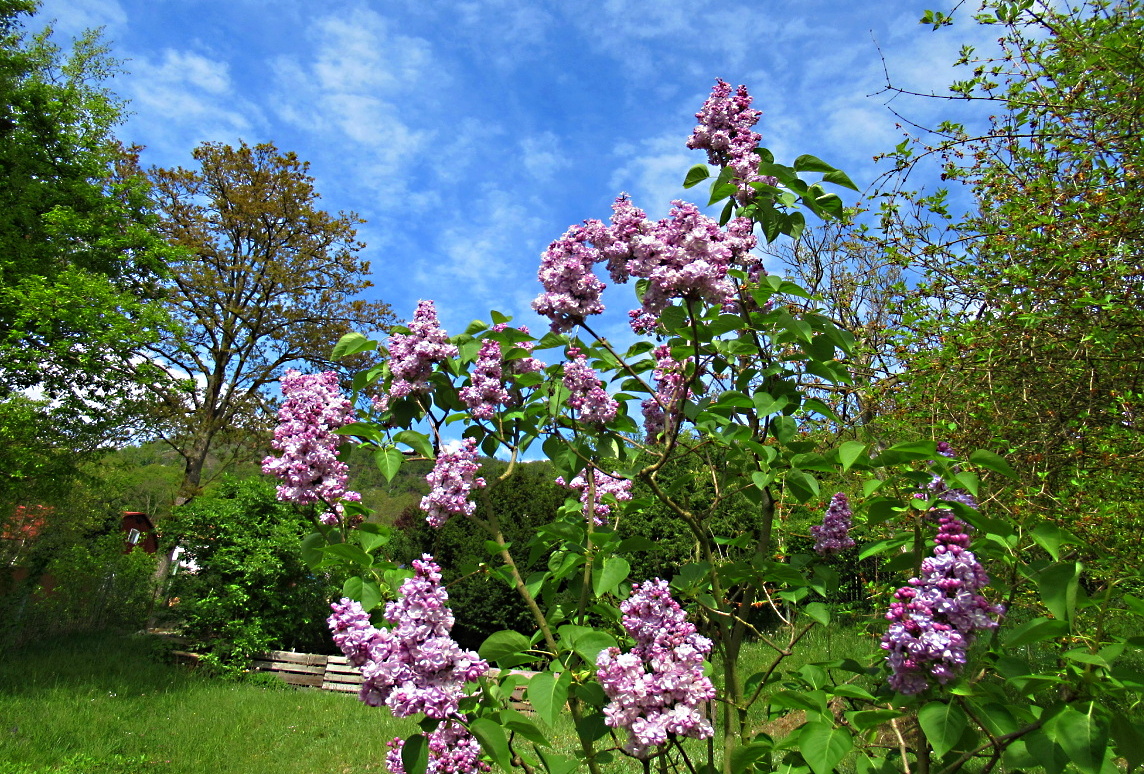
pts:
[104, 703]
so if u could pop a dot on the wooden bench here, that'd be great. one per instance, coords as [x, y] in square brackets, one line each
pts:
[340, 676]
[305, 669]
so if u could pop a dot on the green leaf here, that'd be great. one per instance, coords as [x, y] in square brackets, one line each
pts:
[614, 572]
[823, 746]
[521, 724]
[867, 719]
[504, 645]
[1050, 537]
[808, 163]
[838, 177]
[850, 452]
[493, 741]
[994, 462]
[589, 644]
[1128, 739]
[349, 552]
[1058, 585]
[1036, 630]
[548, 693]
[367, 592]
[311, 549]
[415, 754]
[943, 725]
[388, 461]
[351, 344]
[556, 763]
[1082, 735]
[419, 442]
[818, 612]
[696, 175]
[802, 485]
[743, 757]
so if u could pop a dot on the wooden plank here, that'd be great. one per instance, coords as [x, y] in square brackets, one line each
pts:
[291, 657]
[278, 666]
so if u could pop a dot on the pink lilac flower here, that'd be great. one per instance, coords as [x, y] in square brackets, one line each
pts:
[669, 394]
[309, 467]
[935, 619]
[833, 535]
[452, 480]
[486, 391]
[571, 290]
[415, 666]
[657, 689]
[725, 132]
[685, 256]
[587, 394]
[412, 355]
[452, 750]
[618, 488]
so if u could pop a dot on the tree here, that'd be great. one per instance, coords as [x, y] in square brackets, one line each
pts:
[264, 279]
[79, 252]
[1029, 324]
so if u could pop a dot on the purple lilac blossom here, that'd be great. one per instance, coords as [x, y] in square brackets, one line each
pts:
[725, 132]
[412, 355]
[936, 618]
[619, 488]
[451, 481]
[309, 467]
[669, 393]
[587, 394]
[486, 391]
[414, 666]
[571, 290]
[833, 535]
[658, 688]
[452, 750]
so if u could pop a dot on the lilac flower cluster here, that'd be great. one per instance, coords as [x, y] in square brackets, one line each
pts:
[685, 255]
[833, 535]
[603, 484]
[587, 394]
[452, 479]
[414, 666]
[571, 290]
[725, 132]
[412, 355]
[936, 618]
[669, 377]
[452, 750]
[486, 391]
[657, 688]
[309, 465]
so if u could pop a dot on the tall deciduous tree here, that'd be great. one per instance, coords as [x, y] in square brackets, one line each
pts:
[79, 251]
[1030, 329]
[266, 279]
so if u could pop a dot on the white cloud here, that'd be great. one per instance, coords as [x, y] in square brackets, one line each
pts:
[73, 17]
[182, 98]
[542, 155]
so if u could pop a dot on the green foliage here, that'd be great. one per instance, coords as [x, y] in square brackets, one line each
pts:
[79, 252]
[1026, 331]
[252, 592]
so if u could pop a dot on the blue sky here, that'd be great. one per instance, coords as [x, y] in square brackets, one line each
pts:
[470, 134]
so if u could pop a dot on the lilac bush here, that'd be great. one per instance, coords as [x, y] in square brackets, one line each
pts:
[732, 371]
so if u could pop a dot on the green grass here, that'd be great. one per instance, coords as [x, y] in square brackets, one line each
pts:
[103, 704]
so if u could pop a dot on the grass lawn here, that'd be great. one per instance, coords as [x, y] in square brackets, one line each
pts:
[100, 703]
[103, 704]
